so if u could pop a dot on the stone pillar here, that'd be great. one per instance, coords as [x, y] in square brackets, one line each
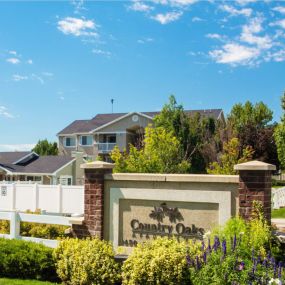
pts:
[254, 185]
[93, 199]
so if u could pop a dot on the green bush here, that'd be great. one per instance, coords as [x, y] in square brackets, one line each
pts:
[85, 262]
[26, 260]
[160, 262]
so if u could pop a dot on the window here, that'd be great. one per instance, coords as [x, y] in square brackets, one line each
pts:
[65, 180]
[86, 140]
[111, 138]
[69, 141]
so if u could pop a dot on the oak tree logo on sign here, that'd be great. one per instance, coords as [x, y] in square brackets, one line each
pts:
[159, 213]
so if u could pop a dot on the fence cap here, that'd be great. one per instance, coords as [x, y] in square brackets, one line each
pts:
[254, 165]
[97, 165]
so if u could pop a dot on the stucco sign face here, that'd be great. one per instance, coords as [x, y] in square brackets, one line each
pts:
[164, 221]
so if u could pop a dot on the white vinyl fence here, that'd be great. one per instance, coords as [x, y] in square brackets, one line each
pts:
[16, 218]
[50, 198]
[278, 197]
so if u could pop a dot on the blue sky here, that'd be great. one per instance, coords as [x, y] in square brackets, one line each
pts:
[62, 61]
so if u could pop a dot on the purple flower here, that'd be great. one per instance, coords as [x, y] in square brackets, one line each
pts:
[205, 257]
[224, 247]
[240, 266]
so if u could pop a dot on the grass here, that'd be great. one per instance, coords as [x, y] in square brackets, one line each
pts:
[6, 281]
[278, 213]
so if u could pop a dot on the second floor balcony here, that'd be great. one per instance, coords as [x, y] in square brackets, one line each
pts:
[105, 147]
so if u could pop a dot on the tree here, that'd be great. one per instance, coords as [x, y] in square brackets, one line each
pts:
[43, 147]
[279, 135]
[251, 125]
[231, 156]
[196, 135]
[160, 153]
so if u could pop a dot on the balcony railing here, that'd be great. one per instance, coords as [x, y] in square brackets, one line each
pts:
[105, 147]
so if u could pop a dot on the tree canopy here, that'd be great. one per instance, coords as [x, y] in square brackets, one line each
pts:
[44, 147]
[160, 154]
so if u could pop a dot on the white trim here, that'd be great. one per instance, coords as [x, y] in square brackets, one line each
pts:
[19, 160]
[6, 170]
[117, 133]
[223, 198]
[120, 118]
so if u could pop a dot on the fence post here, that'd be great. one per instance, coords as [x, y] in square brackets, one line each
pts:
[14, 225]
[59, 198]
[13, 198]
[254, 185]
[36, 196]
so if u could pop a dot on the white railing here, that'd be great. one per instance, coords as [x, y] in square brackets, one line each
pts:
[50, 198]
[106, 147]
[278, 197]
[16, 218]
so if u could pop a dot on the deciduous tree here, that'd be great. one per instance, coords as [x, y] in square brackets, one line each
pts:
[44, 147]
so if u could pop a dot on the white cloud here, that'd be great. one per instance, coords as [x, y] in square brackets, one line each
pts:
[13, 52]
[102, 52]
[144, 40]
[235, 12]
[182, 2]
[235, 54]
[197, 19]
[77, 27]
[29, 61]
[214, 36]
[277, 56]
[36, 77]
[4, 113]
[280, 9]
[168, 17]
[13, 60]
[17, 77]
[245, 2]
[280, 23]
[140, 6]
[48, 74]
[249, 31]
[16, 147]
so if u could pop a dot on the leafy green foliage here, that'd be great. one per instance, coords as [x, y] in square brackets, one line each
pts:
[258, 115]
[85, 262]
[44, 147]
[231, 156]
[279, 136]
[197, 136]
[160, 154]
[159, 262]
[26, 260]
[8, 281]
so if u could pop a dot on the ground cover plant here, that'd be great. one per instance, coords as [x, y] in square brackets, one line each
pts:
[7, 281]
[278, 213]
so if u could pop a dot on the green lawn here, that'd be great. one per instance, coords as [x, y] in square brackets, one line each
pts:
[6, 281]
[278, 214]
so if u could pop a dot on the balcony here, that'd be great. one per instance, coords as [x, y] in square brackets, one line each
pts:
[105, 147]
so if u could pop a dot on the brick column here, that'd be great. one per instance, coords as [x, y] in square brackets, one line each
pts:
[93, 199]
[254, 185]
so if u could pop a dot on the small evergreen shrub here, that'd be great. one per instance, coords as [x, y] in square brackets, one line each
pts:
[86, 262]
[159, 262]
[26, 260]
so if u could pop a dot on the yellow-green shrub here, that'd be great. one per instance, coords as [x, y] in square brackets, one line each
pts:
[160, 262]
[86, 262]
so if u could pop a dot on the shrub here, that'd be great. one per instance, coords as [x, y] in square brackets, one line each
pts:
[86, 262]
[159, 262]
[26, 260]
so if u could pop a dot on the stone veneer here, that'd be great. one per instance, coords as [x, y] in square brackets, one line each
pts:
[93, 199]
[254, 185]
